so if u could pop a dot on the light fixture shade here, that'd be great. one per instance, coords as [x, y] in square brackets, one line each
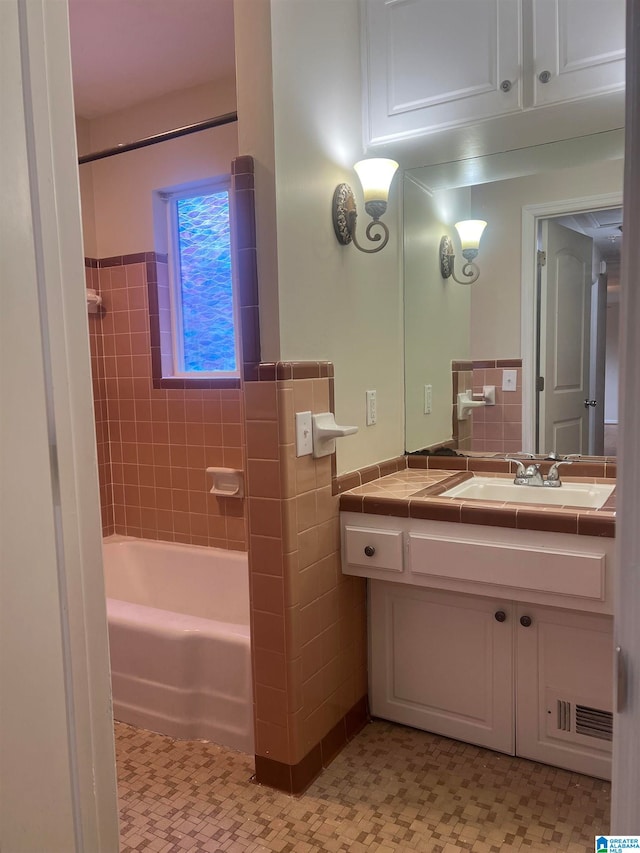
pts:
[375, 176]
[470, 232]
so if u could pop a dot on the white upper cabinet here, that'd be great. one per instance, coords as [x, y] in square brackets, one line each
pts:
[578, 49]
[435, 64]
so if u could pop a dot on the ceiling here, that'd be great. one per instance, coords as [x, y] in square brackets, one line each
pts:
[127, 51]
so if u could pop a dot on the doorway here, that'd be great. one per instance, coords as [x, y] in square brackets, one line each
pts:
[577, 299]
[597, 218]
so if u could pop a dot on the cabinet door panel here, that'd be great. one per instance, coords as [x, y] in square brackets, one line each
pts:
[423, 71]
[443, 663]
[564, 688]
[581, 43]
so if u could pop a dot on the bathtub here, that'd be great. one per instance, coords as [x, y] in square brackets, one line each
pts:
[179, 639]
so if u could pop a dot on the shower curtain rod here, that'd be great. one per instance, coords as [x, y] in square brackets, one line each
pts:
[206, 124]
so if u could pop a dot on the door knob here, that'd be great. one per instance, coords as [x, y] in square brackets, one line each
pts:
[591, 403]
[525, 621]
[500, 616]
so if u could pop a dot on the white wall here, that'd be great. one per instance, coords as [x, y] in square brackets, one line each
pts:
[495, 298]
[612, 364]
[436, 312]
[122, 185]
[335, 303]
[83, 141]
[254, 82]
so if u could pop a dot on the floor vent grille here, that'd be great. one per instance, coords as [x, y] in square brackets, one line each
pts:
[564, 715]
[594, 723]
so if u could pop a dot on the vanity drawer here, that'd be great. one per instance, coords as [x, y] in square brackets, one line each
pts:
[566, 573]
[373, 548]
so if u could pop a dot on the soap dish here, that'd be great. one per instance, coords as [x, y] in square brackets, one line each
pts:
[227, 482]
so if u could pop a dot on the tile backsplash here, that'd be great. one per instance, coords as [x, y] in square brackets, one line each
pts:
[492, 429]
[497, 428]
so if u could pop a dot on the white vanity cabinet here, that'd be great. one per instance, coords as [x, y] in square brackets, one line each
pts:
[433, 64]
[466, 667]
[498, 637]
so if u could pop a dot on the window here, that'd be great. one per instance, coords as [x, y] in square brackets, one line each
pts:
[203, 328]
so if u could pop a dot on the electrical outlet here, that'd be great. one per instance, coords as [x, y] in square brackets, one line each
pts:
[428, 399]
[509, 380]
[372, 414]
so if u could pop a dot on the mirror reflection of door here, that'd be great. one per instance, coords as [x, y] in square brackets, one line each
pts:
[577, 364]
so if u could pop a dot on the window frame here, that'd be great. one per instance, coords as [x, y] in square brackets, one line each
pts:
[170, 198]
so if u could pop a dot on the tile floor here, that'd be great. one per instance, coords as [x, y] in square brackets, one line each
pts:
[392, 789]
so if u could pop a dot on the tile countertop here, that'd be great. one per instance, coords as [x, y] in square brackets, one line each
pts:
[416, 493]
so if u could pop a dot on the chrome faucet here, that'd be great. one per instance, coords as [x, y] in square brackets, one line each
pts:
[531, 475]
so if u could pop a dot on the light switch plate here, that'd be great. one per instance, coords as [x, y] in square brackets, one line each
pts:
[428, 399]
[372, 406]
[509, 380]
[304, 434]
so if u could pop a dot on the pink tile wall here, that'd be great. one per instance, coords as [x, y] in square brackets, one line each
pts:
[100, 405]
[308, 619]
[498, 428]
[160, 441]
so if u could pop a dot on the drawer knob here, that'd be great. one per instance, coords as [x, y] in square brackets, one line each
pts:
[525, 621]
[369, 550]
[500, 616]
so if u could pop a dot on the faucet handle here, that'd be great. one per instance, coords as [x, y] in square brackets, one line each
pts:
[554, 474]
[520, 469]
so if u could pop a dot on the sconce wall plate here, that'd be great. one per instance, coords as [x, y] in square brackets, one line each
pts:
[344, 208]
[446, 257]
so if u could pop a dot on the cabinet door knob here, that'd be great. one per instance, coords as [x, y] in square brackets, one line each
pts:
[544, 76]
[506, 85]
[500, 616]
[369, 550]
[525, 621]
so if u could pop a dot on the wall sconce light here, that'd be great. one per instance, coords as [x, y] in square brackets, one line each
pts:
[470, 232]
[375, 176]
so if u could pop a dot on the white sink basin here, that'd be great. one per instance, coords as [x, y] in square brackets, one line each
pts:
[591, 495]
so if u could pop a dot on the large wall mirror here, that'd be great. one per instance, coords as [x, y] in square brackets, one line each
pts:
[541, 322]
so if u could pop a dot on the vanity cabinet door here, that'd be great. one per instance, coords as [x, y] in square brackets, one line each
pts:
[578, 49]
[564, 688]
[442, 662]
[428, 66]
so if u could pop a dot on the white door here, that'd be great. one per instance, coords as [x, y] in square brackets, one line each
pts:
[564, 688]
[578, 49]
[442, 662]
[57, 774]
[598, 364]
[625, 792]
[565, 321]
[436, 64]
